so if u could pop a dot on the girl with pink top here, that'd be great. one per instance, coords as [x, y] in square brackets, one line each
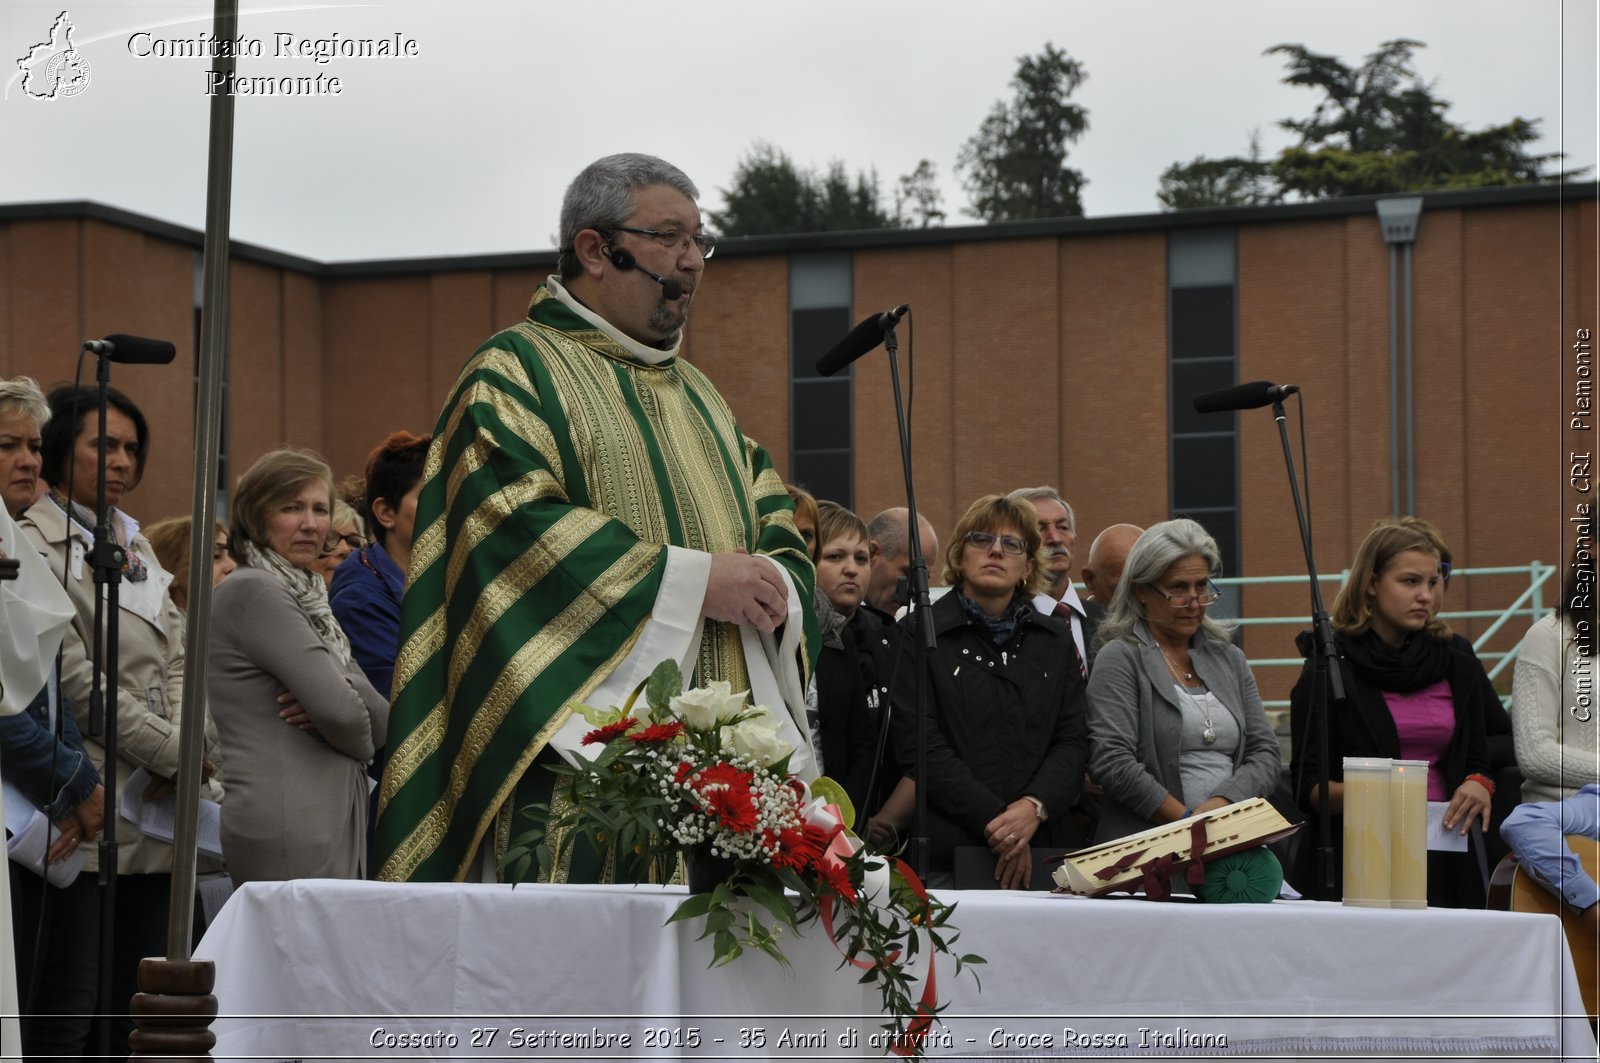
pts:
[1409, 695]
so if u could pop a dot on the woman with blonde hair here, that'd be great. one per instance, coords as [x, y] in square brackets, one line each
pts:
[50, 781]
[1408, 694]
[297, 797]
[171, 540]
[344, 538]
[1005, 721]
[805, 517]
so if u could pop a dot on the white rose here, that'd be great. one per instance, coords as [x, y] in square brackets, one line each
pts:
[758, 739]
[703, 708]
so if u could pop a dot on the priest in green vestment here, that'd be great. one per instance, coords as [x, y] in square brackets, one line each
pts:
[589, 509]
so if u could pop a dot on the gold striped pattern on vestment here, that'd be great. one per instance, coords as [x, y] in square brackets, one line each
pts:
[610, 446]
[530, 660]
[537, 485]
[405, 758]
[531, 429]
[431, 637]
[521, 670]
[511, 583]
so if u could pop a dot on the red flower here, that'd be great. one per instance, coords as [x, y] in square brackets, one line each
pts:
[726, 790]
[801, 846]
[836, 877]
[659, 732]
[721, 776]
[685, 769]
[603, 735]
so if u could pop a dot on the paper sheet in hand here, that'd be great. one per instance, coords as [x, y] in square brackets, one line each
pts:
[1441, 838]
[159, 819]
[30, 845]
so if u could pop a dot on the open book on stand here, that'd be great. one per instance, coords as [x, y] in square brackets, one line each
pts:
[1127, 863]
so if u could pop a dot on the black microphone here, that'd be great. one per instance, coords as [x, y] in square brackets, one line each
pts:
[622, 258]
[132, 350]
[1249, 396]
[861, 339]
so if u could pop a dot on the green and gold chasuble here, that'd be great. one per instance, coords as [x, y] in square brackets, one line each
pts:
[561, 469]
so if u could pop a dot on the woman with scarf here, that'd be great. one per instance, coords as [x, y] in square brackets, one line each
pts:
[1005, 727]
[1176, 724]
[148, 686]
[1409, 695]
[297, 797]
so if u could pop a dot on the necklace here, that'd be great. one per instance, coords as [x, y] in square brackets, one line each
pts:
[1202, 703]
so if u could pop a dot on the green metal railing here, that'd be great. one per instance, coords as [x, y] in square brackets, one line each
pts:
[1529, 604]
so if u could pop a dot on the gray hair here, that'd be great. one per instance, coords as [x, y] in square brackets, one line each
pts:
[1039, 494]
[1158, 549]
[601, 196]
[891, 530]
[22, 397]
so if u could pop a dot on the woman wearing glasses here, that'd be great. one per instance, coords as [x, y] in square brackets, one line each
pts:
[344, 540]
[1006, 732]
[1176, 726]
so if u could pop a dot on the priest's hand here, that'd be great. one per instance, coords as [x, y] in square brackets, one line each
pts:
[746, 590]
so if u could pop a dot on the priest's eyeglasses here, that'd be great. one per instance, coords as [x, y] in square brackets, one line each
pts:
[1009, 544]
[676, 239]
[1184, 601]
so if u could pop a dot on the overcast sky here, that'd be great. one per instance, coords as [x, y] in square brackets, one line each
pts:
[465, 147]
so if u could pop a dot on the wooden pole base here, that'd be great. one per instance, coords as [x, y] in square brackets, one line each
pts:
[173, 1011]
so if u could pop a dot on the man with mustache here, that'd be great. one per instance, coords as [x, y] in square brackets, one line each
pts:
[1059, 530]
[589, 508]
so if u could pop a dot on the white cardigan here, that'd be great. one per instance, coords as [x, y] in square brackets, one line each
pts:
[1556, 750]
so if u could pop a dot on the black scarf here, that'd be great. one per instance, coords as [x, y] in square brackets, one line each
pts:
[1417, 662]
[1002, 627]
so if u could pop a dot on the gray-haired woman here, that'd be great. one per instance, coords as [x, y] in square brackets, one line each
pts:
[1176, 725]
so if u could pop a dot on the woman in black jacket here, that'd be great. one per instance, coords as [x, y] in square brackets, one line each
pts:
[1409, 694]
[851, 704]
[1007, 723]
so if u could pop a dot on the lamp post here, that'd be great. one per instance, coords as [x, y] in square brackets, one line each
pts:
[1398, 218]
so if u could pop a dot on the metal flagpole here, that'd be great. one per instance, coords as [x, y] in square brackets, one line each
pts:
[186, 984]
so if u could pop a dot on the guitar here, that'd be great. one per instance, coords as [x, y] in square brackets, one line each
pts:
[1513, 889]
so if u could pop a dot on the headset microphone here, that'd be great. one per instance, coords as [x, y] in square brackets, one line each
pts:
[622, 258]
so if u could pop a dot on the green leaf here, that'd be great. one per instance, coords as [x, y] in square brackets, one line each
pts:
[834, 794]
[772, 901]
[664, 684]
[697, 905]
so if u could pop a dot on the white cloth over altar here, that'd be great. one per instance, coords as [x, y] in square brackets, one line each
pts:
[323, 969]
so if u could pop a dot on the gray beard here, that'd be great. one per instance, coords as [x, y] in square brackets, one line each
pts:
[664, 321]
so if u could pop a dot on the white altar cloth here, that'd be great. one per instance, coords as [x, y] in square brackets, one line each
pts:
[326, 969]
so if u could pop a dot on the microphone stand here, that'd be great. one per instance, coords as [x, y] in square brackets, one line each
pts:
[106, 557]
[921, 620]
[1325, 675]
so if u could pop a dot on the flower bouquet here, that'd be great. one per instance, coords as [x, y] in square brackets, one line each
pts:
[703, 774]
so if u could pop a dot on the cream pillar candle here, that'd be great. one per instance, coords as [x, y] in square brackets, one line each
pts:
[1366, 831]
[1408, 834]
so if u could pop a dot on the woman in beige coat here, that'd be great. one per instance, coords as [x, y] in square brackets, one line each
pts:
[149, 679]
[299, 720]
